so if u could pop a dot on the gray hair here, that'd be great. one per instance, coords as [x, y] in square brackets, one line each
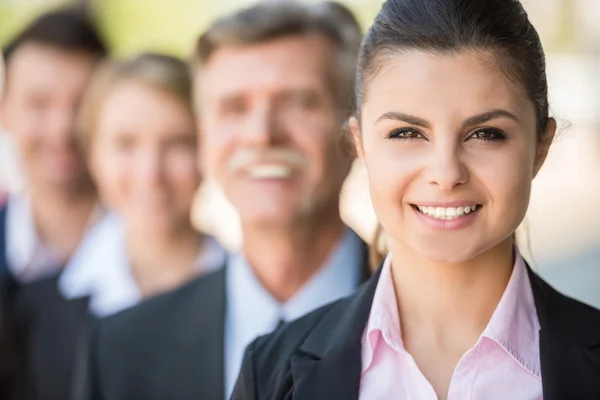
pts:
[269, 20]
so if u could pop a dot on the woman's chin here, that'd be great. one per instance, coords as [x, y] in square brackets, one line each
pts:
[448, 254]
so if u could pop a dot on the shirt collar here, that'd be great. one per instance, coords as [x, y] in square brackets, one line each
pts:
[27, 255]
[24, 250]
[384, 321]
[514, 325]
[100, 268]
[337, 278]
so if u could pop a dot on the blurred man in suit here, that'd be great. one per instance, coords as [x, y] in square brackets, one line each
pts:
[273, 89]
[48, 66]
[12, 358]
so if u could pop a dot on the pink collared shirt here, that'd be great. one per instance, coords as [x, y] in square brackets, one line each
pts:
[503, 364]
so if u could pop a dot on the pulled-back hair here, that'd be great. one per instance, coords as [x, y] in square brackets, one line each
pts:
[499, 28]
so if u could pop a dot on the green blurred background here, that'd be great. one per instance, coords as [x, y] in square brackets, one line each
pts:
[129, 26]
[171, 26]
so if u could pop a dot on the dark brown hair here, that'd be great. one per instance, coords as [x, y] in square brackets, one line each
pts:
[65, 29]
[498, 28]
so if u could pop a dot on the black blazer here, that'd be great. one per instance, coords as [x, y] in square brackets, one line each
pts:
[318, 357]
[12, 334]
[3, 262]
[52, 329]
[171, 347]
[40, 332]
[12, 342]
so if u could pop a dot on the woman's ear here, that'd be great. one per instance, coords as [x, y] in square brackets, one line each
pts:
[544, 145]
[200, 156]
[354, 126]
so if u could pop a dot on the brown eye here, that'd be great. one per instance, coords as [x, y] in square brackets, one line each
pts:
[488, 135]
[405, 134]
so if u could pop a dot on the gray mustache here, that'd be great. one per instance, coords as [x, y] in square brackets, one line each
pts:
[244, 158]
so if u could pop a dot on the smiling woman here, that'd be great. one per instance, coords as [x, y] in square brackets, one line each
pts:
[452, 126]
[139, 136]
[454, 151]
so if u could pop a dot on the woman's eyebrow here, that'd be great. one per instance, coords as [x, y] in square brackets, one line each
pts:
[409, 119]
[471, 121]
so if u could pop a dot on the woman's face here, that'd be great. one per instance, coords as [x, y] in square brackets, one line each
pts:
[143, 156]
[450, 146]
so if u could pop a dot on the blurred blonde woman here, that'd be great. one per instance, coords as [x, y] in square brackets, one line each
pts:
[138, 133]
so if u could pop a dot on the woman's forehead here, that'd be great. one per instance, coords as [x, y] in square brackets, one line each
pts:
[431, 85]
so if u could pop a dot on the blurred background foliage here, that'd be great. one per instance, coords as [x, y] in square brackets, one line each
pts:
[130, 26]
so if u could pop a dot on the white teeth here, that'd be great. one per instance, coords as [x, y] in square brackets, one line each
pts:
[446, 213]
[270, 171]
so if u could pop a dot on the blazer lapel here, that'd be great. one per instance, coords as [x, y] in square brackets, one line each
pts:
[569, 344]
[328, 364]
[195, 366]
[336, 376]
[3, 262]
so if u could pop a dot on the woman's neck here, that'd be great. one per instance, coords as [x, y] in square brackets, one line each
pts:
[62, 217]
[160, 262]
[450, 304]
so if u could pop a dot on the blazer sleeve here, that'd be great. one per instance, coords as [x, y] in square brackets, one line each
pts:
[245, 387]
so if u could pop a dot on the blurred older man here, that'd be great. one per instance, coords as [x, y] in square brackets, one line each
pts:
[273, 88]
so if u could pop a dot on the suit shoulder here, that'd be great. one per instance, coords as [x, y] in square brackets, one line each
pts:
[565, 316]
[583, 312]
[568, 305]
[271, 353]
[163, 310]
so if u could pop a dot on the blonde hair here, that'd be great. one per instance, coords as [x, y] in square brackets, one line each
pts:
[165, 73]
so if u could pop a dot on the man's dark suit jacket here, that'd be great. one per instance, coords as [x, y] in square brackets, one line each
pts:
[171, 347]
[12, 346]
[12, 350]
[40, 332]
[318, 357]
